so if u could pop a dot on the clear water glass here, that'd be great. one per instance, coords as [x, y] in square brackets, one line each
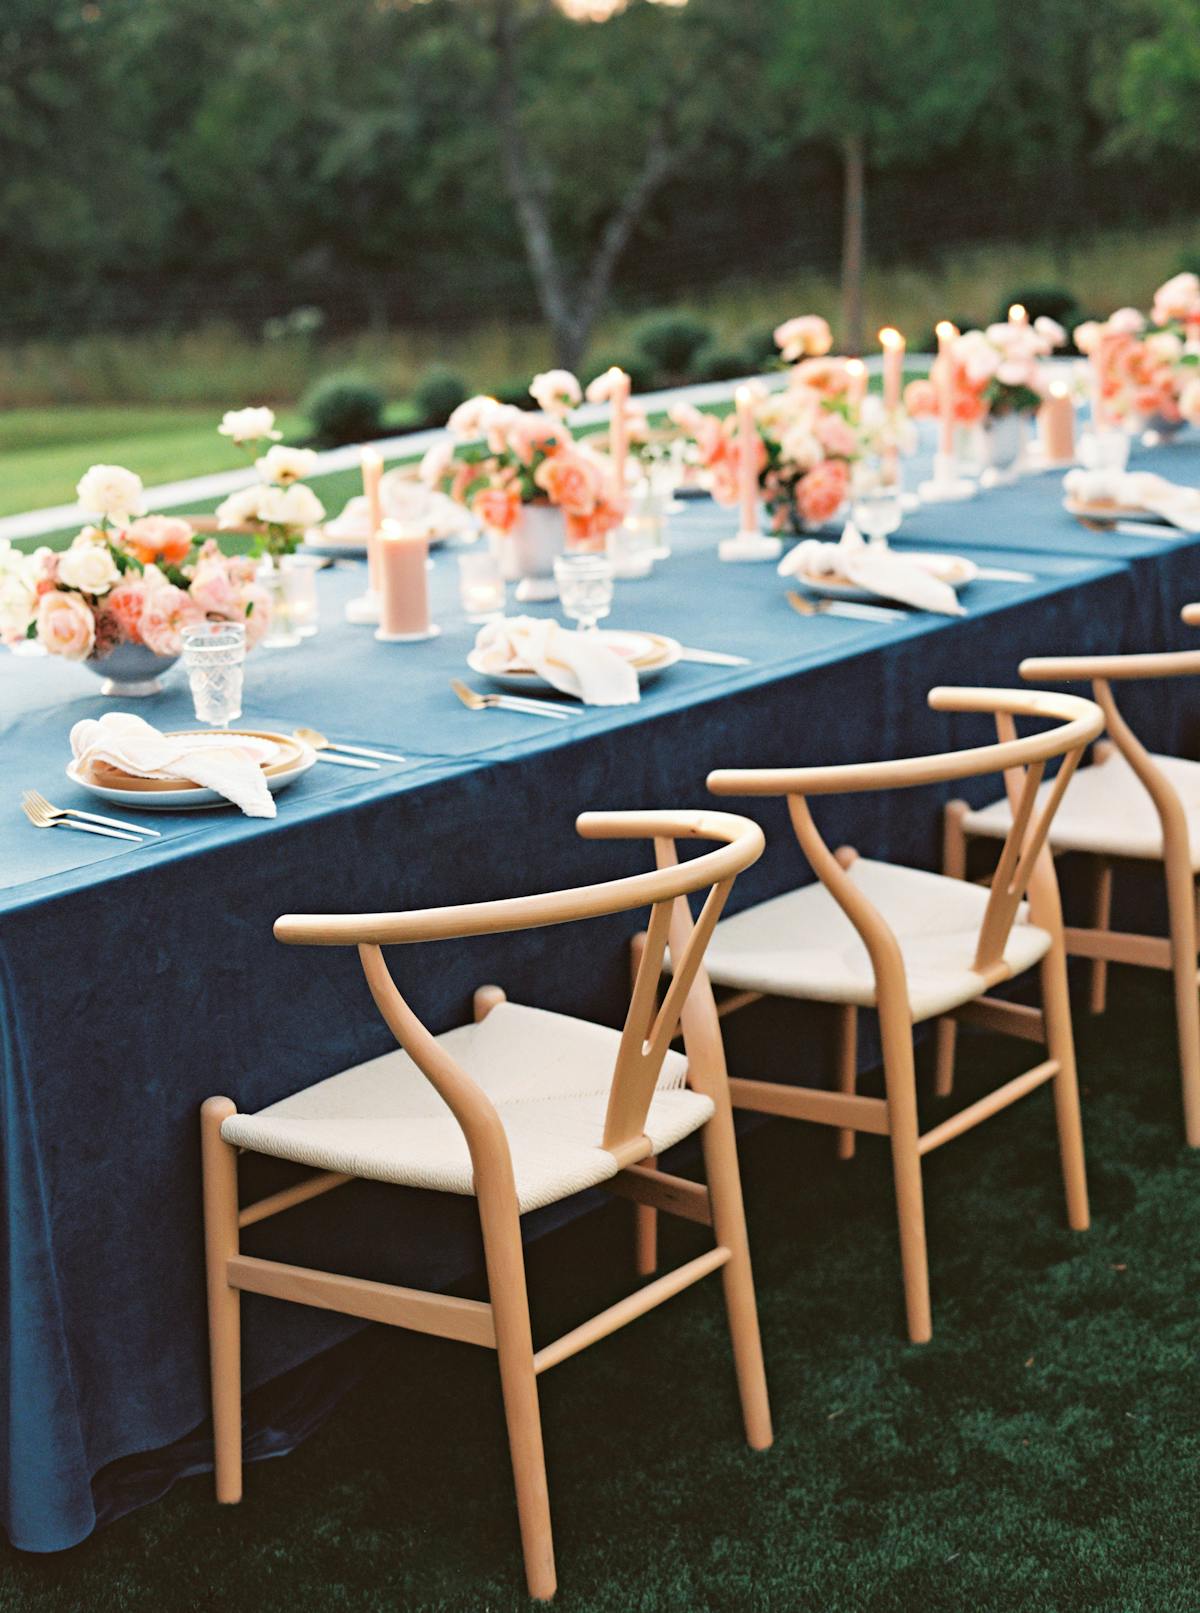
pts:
[481, 585]
[585, 587]
[300, 591]
[214, 654]
[876, 505]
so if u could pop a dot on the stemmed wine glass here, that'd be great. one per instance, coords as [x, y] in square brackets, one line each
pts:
[585, 587]
[876, 505]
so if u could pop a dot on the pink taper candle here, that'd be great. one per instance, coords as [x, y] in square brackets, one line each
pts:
[856, 389]
[747, 460]
[404, 579]
[947, 335]
[893, 367]
[372, 475]
[618, 431]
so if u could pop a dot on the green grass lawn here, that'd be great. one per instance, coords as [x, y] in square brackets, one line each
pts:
[1042, 1455]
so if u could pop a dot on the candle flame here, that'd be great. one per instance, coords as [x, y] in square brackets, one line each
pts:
[945, 331]
[889, 336]
[1058, 390]
[742, 396]
[855, 366]
[371, 456]
[1017, 314]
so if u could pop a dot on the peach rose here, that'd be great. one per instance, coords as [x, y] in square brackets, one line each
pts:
[571, 481]
[126, 602]
[531, 434]
[161, 539]
[167, 612]
[213, 589]
[498, 506]
[837, 436]
[821, 493]
[808, 336]
[66, 626]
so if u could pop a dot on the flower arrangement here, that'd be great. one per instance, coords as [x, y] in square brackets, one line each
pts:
[809, 433]
[1134, 370]
[126, 579]
[279, 509]
[506, 458]
[995, 372]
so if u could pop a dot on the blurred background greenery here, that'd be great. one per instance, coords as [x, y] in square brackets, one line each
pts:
[213, 202]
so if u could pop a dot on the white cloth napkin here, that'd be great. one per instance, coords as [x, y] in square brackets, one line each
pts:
[1137, 490]
[879, 570]
[231, 768]
[579, 664]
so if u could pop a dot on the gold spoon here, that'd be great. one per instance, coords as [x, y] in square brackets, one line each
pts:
[318, 741]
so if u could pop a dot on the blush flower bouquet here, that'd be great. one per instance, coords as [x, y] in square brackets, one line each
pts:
[1134, 370]
[505, 459]
[996, 372]
[125, 579]
[809, 433]
[279, 509]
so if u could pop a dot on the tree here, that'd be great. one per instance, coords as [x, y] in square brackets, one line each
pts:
[884, 82]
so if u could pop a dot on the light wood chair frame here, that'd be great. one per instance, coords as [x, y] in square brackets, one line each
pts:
[502, 1322]
[1099, 942]
[1026, 872]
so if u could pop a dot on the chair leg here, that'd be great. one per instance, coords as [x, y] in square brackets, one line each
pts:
[505, 1260]
[1101, 917]
[1181, 906]
[847, 1072]
[645, 1217]
[1060, 1042]
[737, 1277]
[219, 1170]
[954, 866]
[900, 1076]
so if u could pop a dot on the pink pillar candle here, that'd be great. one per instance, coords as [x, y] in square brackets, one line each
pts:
[893, 367]
[747, 460]
[372, 475]
[1056, 427]
[404, 583]
[618, 430]
[947, 335]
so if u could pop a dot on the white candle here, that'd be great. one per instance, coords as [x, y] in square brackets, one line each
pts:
[372, 475]
[747, 459]
[404, 580]
[893, 367]
[947, 335]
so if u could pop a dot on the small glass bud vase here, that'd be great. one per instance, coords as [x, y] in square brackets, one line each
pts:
[282, 633]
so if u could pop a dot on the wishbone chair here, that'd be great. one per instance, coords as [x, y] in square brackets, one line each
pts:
[1129, 805]
[916, 946]
[520, 1109]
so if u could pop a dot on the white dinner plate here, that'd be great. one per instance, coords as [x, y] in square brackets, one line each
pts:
[954, 569]
[1107, 512]
[648, 653]
[193, 798]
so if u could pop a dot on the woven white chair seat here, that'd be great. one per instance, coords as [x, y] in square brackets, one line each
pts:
[1106, 810]
[801, 944]
[548, 1075]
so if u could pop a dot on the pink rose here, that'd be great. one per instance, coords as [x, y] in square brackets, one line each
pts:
[213, 590]
[253, 608]
[126, 602]
[571, 481]
[531, 434]
[724, 487]
[921, 399]
[167, 612]
[837, 436]
[821, 493]
[66, 626]
[808, 336]
[498, 506]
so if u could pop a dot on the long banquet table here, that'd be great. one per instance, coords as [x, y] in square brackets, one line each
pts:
[136, 981]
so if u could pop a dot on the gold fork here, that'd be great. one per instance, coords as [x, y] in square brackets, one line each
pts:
[40, 801]
[42, 819]
[850, 609]
[474, 701]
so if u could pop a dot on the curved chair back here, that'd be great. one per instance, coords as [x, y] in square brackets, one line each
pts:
[1021, 760]
[648, 1028]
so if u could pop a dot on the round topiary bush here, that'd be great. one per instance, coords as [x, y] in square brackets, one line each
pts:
[713, 363]
[639, 370]
[1044, 302]
[437, 394]
[342, 409]
[760, 348]
[671, 341]
[515, 392]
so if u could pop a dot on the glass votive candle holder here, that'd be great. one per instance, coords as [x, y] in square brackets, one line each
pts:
[214, 654]
[481, 586]
[631, 547]
[300, 591]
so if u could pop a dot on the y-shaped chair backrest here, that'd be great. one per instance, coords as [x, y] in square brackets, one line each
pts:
[648, 1028]
[1023, 763]
[1102, 671]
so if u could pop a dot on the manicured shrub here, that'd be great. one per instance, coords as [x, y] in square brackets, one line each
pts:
[714, 363]
[437, 394]
[760, 349]
[515, 392]
[344, 408]
[671, 341]
[1049, 302]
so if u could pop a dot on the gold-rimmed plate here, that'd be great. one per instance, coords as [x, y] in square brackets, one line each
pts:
[953, 569]
[649, 654]
[282, 757]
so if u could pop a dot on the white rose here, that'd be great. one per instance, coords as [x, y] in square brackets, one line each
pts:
[1165, 345]
[555, 391]
[296, 506]
[18, 605]
[284, 465]
[239, 508]
[88, 566]
[110, 490]
[249, 425]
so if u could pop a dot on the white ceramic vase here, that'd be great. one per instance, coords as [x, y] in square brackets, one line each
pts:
[527, 553]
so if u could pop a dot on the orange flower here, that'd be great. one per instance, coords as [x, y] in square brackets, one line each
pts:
[821, 493]
[571, 481]
[159, 540]
[498, 507]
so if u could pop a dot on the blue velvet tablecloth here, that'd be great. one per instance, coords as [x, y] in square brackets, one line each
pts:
[136, 981]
